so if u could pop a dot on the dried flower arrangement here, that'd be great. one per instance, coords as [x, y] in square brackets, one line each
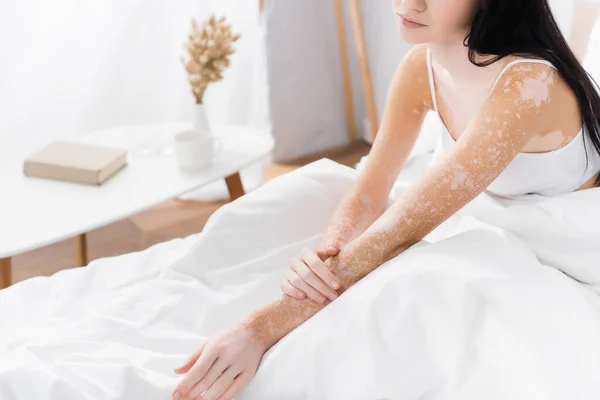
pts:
[209, 48]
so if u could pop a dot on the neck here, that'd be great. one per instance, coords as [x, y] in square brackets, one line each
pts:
[451, 59]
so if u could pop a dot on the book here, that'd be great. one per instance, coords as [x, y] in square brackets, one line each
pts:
[76, 162]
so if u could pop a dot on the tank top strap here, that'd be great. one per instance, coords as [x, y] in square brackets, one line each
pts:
[520, 61]
[431, 82]
[506, 68]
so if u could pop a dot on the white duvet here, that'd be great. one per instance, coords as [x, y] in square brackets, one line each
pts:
[501, 302]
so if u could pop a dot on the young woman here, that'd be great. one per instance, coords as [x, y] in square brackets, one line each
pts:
[514, 102]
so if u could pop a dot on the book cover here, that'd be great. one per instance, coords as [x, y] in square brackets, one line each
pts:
[76, 162]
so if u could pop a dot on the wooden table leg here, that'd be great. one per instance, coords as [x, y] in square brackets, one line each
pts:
[234, 185]
[82, 256]
[5, 272]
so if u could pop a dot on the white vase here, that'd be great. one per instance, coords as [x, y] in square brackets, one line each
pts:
[200, 124]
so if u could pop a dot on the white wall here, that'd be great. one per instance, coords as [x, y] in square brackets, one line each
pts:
[306, 92]
[306, 87]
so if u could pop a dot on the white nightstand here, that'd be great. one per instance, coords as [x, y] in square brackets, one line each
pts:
[37, 212]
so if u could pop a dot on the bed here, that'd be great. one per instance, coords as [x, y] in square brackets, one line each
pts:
[501, 301]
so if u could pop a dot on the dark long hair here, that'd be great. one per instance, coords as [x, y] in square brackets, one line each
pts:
[527, 28]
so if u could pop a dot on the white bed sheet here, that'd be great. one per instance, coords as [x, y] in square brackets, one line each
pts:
[501, 302]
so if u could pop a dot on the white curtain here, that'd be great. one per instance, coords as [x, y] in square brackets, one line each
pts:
[71, 66]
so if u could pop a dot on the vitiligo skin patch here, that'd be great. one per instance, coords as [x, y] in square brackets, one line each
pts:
[527, 104]
[353, 216]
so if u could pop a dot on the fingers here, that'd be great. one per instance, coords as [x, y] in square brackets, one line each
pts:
[328, 252]
[303, 278]
[310, 277]
[236, 387]
[310, 283]
[220, 385]
[287, 288]
[209, 378]
[195, 374]
[319, 268]
[297, 282]
[332, 250]
[190, 361]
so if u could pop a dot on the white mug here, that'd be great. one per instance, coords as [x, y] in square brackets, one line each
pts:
[194, 151]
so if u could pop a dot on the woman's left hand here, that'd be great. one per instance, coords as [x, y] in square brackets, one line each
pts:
[222, 367]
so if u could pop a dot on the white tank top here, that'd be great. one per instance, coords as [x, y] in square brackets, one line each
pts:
[550, 173]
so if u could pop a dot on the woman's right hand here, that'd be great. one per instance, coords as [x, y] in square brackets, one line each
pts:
[308, 276]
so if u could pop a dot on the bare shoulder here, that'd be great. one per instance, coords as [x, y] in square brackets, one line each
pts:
[534, 94]
[415, 59]
[411, 80]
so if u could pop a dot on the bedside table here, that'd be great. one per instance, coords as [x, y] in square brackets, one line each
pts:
[37, 212]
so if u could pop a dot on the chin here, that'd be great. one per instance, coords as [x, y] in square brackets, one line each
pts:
[411, 37]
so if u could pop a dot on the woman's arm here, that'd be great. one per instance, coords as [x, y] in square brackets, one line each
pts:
[408, 101]
[353, 215]
[367, 198]
[234, 355]
[525, 103]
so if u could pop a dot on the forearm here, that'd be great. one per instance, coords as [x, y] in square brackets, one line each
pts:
[507, 121]
[405, 223]
[355, 213]
[363, 255]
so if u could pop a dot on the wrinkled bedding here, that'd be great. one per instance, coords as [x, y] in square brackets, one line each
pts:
[499, 302]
